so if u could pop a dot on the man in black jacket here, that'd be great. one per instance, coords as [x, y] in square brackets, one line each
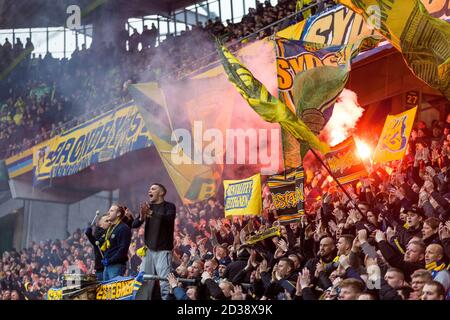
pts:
[159, 218]
[284, 279]
[325, 256]
[95, 238]
[235, 267]
[116, 244]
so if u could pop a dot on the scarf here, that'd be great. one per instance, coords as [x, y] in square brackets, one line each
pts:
[108, 234]
[435, 268]
[141, 252]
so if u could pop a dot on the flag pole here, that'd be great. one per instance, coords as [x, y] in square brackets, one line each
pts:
[337, 181]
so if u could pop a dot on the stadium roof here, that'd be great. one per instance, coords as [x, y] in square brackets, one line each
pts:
[52, 13]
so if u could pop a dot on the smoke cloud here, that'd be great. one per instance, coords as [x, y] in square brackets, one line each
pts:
[212, 101]
[346, 114]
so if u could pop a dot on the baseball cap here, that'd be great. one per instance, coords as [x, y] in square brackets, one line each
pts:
[415, 209]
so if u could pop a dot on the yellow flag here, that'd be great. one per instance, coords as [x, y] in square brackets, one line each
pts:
[243, 197]
[293, 32]
[303, 4]
[193, 182]
[423, 40]
[264, 104]
[394, 137]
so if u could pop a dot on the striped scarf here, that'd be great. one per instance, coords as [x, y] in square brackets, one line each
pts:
[109, 232]
[434, 267]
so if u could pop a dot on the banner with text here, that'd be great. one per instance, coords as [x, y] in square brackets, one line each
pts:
[243, 197]
[288, 195]
[345, 163]
[101, 139]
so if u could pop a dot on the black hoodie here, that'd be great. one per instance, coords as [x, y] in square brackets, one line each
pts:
[93, 237]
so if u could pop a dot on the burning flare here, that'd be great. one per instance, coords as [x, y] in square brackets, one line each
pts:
[363, 149]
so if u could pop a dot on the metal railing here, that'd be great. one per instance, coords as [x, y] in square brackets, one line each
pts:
[152, 277]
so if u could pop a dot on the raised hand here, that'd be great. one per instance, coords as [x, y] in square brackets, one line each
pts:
[305, 279]
[236, 293]
[390, 233]
[444, 231]
[344, 261]
[380, 236]
[354, 215]
[263, 266]
[298, 286]
[356, 245]
[173, 282]
[309, 231]
[333, 226]
[319, 269]
[193, 251]
[362, 236]
[205, 276]
[144, 211]
[282, 245]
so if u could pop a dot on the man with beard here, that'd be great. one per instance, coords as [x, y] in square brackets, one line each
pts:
[159, 218]
[326, 256]
[94, 237]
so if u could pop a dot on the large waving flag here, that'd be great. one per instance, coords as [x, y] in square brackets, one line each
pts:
[311, 77]
[267, 106]
[394, 137]
[192, 181]
[423, 40]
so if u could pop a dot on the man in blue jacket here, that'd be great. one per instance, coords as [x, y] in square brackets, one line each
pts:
[115, 245]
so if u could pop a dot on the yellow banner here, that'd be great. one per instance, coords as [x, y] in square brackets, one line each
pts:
[339, 25]
[394, 137]
[243, 197]
[101, 139]
[54, 294]
[193, 181]
[119, 290]
[423, 40]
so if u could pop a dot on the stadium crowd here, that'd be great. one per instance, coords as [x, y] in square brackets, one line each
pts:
[391, 241]
[42, 96]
